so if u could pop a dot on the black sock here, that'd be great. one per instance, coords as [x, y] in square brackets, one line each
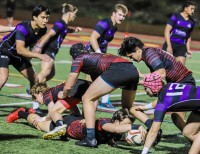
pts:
[148, 123]
[23, 114]
[59, 123]
[90, 133]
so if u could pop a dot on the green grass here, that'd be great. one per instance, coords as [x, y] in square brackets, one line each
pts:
[20, 138]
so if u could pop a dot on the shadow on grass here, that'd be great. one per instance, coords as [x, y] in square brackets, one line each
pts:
[125, 146]
[171, 141]
[172, 150]
[8, 137]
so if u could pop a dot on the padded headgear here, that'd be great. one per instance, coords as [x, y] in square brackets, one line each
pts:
[153, 81]
[76, 49]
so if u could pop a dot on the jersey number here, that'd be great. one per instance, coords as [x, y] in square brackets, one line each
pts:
[178, 86]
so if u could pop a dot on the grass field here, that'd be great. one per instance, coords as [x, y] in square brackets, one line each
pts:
[20, 138]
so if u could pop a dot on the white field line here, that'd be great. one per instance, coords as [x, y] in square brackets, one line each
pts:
[112, 95]
[17, 103]
[22, 95]
[11, 85]
[119, 95]
[56, 62]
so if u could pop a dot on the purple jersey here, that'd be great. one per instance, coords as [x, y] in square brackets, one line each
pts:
[106, 30]
[23, 32]
[181, 28]
[177, 97]
[156, 58]
[61, 30]
[95, 64]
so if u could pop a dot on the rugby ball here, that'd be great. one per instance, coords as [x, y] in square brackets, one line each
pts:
[134, 137]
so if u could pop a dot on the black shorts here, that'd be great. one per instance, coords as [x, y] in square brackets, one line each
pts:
[179, 50]
[121, 75]
[79, 89]
[50, 54]
[19, 63]
[188, 79]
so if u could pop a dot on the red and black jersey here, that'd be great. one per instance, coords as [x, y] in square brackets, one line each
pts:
[77, 91]
[78, 131]
[156, 58]
[52, 94]
[95, 64]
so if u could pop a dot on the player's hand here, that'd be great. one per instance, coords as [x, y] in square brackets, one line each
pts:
[189, 53]
[170, 50]
[141, 82]
[61, 95]
[143, 132]
[45, 57]
[139, 108]
[37, 49]
[82, 122]
[78, 29]
[141, 75]
[38, 120]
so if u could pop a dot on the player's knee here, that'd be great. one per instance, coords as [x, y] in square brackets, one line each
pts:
[2, 81]
[187, 133]
[86, 98]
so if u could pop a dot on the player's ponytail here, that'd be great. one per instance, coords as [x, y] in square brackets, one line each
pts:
[68, 8]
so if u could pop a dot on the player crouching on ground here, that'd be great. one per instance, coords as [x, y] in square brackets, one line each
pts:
[108, 130]
[49, 97]
[172, 97]
[56, 107]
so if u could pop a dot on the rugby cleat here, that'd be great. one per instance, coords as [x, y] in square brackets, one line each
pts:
[57, 131]
[14, 115]
[158, 138]
[86, 142]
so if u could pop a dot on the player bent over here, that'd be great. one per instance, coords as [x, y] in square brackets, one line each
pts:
[172, 97]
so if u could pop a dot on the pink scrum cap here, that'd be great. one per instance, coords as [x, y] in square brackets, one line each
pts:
[153, 81]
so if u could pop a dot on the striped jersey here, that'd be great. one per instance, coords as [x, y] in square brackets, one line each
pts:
[156, 58]
[95, 64]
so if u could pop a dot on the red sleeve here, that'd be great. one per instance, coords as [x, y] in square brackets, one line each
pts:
[77, 65]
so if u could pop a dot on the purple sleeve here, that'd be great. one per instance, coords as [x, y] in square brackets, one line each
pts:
[101, 27]
[58, 26]
[172, 20]
[21, 32]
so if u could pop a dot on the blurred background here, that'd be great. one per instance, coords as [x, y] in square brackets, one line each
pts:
[144, 17]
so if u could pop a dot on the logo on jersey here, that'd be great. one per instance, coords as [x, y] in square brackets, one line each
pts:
[3, 56]
[189, 26]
